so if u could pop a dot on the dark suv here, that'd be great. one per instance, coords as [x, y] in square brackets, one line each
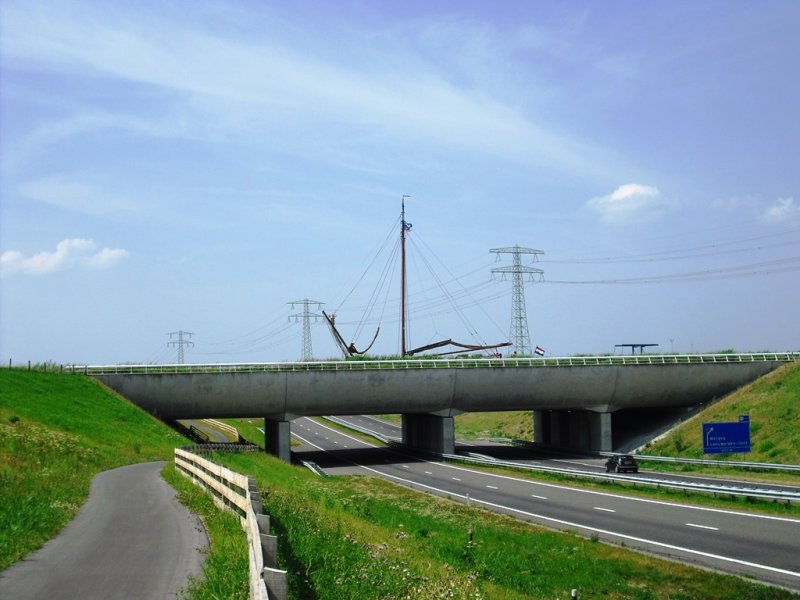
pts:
[621, 463]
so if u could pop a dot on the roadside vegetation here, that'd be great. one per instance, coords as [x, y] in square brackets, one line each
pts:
[363, 537]
[773, 403]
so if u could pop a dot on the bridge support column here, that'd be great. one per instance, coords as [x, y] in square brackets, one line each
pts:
[578, 429]
[430, 433]
[541, 426]
[600, 437]
[278, 439]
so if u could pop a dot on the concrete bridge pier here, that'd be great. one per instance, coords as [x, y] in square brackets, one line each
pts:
[278, 438]
[580, 429]
[430, 433]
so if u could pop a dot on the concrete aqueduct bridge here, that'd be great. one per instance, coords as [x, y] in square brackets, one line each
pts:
[573, 399]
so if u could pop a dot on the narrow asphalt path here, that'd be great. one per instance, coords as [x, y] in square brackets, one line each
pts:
[132, 539]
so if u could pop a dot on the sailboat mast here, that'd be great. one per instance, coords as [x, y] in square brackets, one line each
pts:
[403, 290]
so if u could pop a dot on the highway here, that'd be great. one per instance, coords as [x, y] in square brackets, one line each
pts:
[764, 547]
[538, 456]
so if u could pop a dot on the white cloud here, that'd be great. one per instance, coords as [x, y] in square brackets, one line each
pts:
[629, 203]
[70, 253]
[785, 210]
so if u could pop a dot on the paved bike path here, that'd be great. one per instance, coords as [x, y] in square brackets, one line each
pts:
[132, 539]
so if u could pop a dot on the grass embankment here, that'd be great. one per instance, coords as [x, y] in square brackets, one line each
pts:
[357, 537]
[57, 432]
[773, 403]
[472, 426]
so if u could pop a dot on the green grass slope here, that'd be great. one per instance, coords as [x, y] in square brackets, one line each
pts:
[363, 537]
[773, 403]
[56, 432]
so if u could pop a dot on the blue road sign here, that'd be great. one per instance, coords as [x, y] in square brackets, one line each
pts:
[721, 438]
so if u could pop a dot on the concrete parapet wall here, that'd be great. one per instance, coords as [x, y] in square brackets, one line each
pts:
[234, 491]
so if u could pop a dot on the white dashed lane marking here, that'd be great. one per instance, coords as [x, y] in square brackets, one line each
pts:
[703, 526]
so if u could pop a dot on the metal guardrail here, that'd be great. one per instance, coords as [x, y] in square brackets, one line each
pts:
[736, 464]
[314, 468]
[378, 436]
[751, 492]
[709, 462]
[459, 363]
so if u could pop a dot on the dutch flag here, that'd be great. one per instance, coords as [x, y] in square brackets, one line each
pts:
[539, 351]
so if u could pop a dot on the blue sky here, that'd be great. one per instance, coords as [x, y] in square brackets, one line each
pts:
[196, 166]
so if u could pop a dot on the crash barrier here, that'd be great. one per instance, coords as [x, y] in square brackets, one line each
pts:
[224, 427]
[237, 493]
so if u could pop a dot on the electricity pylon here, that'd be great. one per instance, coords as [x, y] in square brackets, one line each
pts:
[180, 343]
[520, 337]
[307, 315]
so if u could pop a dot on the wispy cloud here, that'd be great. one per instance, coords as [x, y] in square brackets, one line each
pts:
[629, 203]
[69, 253]
[68, 194]
[224, 84]
[785, 210]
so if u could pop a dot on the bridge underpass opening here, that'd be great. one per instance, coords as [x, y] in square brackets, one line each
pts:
[619, 431]
[578, 429]
[429, 433]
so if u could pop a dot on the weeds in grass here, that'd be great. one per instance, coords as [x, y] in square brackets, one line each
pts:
[226, 570]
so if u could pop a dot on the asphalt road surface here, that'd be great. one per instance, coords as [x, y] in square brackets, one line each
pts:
[539, 456]
[132, 539]
[764, 547]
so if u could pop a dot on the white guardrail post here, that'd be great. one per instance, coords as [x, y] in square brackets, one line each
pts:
[236, 492]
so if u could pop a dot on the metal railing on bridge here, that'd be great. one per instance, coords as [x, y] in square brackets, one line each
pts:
[424, 363]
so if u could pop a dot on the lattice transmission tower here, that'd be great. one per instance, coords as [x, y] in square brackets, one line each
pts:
[307, 317]
[180, 343]
[519, 336]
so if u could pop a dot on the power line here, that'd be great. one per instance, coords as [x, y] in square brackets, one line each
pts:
[180, 343]
[519, 334]
[307, 316]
